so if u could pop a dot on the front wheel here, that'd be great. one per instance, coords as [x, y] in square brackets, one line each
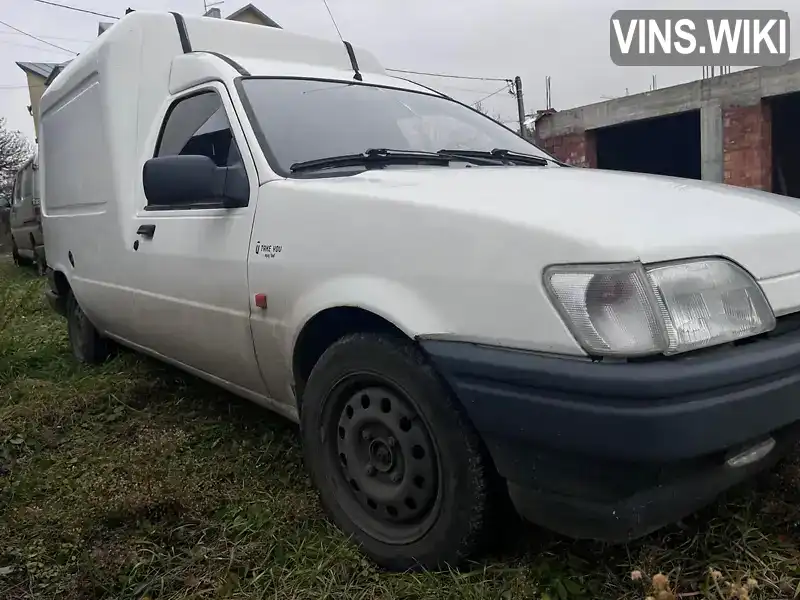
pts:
[397, 465]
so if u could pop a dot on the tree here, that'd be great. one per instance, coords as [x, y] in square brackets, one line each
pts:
[15, 149]
[482, 109]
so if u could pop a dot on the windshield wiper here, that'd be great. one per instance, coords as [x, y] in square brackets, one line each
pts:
[373, 157]
[500, 154]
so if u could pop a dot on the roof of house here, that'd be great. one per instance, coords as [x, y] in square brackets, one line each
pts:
[38, 68]
[54, 73]
[102, 26]
[47, 71]
[258, 13]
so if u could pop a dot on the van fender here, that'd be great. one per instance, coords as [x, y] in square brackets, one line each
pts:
[399, 305]
[58, 269]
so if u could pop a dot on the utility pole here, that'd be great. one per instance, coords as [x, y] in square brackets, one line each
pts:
[520, 104]
[547, 96]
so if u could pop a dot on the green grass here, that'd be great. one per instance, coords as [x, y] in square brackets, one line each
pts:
[132, 480]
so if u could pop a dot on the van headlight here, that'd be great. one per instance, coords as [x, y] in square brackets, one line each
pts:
[633, 310]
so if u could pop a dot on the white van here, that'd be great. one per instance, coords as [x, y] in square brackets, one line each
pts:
[27, 239]
[449, 314]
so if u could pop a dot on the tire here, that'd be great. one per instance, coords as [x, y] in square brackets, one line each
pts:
[41, 265]
[88, 346]
[397, 465]
[18, 260]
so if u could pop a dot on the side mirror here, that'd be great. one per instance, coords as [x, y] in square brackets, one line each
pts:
[175, 181]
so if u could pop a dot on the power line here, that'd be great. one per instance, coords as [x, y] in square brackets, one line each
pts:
[51, 37]
[460, 89]
[446, 75]
[9, 43]
[325, 2]
[502, 89]
[452, 87]
[76, 9]
[38, 39]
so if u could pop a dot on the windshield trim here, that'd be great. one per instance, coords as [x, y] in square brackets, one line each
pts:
[266, 148]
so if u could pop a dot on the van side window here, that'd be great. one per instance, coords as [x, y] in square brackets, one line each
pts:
[27, 183]
[198, 125]
[17, 197]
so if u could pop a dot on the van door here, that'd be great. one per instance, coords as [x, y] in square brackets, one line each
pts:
[188, 269]
[24, 214]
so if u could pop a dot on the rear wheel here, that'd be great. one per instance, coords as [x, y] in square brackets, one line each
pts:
[18, 260]
[41, 264]
[88, 346]
[397, 465]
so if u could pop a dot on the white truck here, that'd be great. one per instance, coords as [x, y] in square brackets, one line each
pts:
[450, 314]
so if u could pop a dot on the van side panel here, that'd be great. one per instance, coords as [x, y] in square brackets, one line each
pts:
[78, 123]
[88, 132]
[98, 119]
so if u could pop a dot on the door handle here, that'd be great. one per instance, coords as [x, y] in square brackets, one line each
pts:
[147, 231]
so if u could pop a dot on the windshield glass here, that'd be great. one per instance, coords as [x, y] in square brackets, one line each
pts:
[304, 119]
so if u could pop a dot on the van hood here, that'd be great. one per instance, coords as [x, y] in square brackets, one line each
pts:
[623, 216]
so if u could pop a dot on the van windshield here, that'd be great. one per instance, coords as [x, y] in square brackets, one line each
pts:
[306, 119]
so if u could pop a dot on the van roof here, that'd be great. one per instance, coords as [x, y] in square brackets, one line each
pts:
[138, 53]
[234, 38]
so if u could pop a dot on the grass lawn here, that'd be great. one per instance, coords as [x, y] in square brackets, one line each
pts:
[132, 480]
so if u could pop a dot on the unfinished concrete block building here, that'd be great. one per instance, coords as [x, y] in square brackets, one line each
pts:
[742, 128]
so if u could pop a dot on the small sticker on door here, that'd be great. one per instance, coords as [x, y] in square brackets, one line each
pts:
[268, 250]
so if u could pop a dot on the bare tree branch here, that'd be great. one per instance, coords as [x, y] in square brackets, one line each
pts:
[482, 109]
[15, 149]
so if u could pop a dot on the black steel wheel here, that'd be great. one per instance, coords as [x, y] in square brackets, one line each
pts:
[397, 465]
[382, 449]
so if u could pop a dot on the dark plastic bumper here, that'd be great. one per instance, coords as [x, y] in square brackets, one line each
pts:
[614, 450]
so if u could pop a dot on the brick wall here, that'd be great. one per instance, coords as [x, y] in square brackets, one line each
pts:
[576, 149]
[747, 145]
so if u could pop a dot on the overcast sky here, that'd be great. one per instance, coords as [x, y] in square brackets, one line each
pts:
[565, 39]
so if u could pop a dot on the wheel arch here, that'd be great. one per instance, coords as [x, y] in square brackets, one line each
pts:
[353, 305]
[328, 326]
[61, 283]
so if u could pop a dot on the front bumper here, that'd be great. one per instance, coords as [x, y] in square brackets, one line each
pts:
[612, 451]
